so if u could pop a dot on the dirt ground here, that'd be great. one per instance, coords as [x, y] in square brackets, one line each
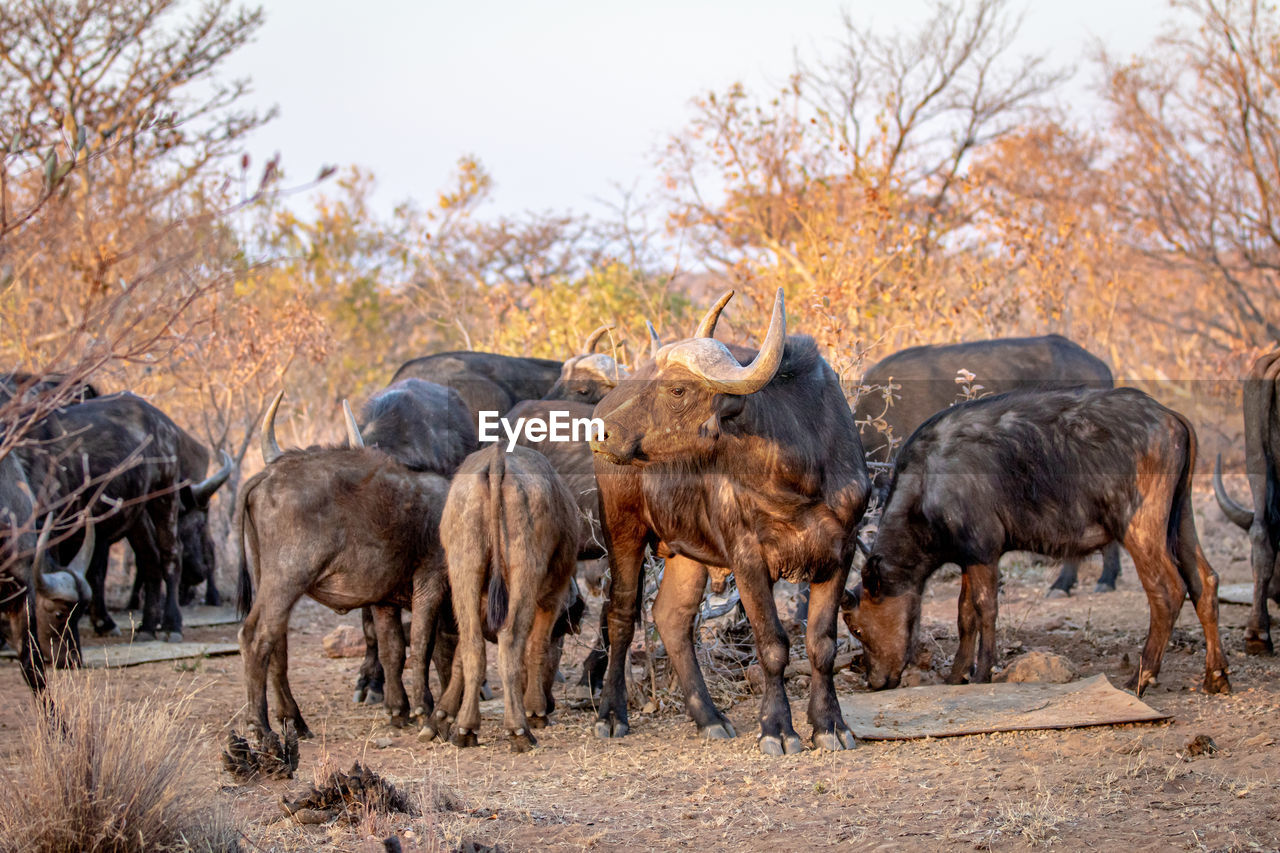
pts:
[1105, 787]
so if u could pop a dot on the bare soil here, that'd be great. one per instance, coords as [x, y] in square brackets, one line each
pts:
[1135, 786]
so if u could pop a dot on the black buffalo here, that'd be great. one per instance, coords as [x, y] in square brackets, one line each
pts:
[426, 427]
[118, 459]
[27, 386]
[588, 376]
[1055, 472]
[486, 381]
[350, 528]
[923, 380]
[1262, 455]
[754, 468]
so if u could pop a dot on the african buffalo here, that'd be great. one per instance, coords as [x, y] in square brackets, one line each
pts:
[1262, 522]
[485, 381]
[426, 427]
[1055, 472]
[118, 458]
[588, 376]
[349, 527]
[510, 531]
[923, 380]
[26, 386]
[754, 468]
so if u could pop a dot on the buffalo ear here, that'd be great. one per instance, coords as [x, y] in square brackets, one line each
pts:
[724, 407]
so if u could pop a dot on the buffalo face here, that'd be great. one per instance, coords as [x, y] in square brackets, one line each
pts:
[886, 627]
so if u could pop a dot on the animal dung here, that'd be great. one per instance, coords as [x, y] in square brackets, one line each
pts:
[967, 709]
[347, 797]
[271, 758]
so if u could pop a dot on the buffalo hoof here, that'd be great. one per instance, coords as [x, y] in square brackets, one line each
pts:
[173, 637]
[359, 695]
[719, 731]
[522, 740]
[607, 729]
[374, 697]
[1104, 587]
[464, 739]
[1258, 646]
[428, 733]
[144, 636]
[774, 745]
[1139, 688]
[1054, 592]
[398, 721]
[107, 629]
[834, 741]
[1216, 682]
[538, 721]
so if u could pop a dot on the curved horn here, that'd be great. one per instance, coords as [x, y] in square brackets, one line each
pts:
[270, 447]
[1240, 515]
[205, 489]
[354, 439]
[707, 328]
[80, 564]
[712, 362]
[655, 342]
[589, 345]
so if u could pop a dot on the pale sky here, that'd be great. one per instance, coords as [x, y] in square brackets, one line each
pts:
[560, 99]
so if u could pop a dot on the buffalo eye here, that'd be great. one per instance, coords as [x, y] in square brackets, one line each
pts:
[676, 391]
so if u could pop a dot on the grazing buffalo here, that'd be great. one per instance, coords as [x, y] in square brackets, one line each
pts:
[118, 459]
[485, 381]
[1055, 472]
[427, 428]
[923, 380]
[588, 376]
[37, 612]
[1262, 522]
[349, 527]
[510, 531]
[199, 557]
[754, 468]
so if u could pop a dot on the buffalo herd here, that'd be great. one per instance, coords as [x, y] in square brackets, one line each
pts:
[715, 458]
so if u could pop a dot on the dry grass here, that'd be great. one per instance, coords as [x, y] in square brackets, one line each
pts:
[104, 774]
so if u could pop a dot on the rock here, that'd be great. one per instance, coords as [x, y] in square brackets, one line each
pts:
[916, 677]
[344, 641]
[1038, 668]
[382, 743]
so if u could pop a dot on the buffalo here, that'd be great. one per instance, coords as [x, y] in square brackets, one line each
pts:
[588, 376]
[923, 380]
[350, 527]
[511, 534]
[1262, 522]
[427, 428]
[1055, 472]
[757, 469]
[486, 381]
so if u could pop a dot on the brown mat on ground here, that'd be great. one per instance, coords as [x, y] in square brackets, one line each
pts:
[132, 654]
[194, 616]
[1236, 593]
[966, 709]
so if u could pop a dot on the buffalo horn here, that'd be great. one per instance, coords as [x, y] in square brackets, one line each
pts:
[1240, 515]
[589, 345]
[707, 328]
[354, 439]
[80, 565]
[270, 447]
[712, 362]
[655, 342]
[205, 489]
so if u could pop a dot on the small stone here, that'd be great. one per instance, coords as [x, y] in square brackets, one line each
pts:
[649, 708]
[1038, 668]
[382, 742]
[345, 641]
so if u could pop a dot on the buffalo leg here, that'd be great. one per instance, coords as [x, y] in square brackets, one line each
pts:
[1202, 586]
[1066, 580]
[967, 623]
[428, 594]
[391, 650]
[1257, 634]
[286, 705]
[369, 680]
[777, 735]
[148, 564]
[266, 623]
[103, 624]
[674, 612]
[513, 639]
[212, 598]
[165, 514]
[1165, 592]
[625, 578]
[1110, 568]
[830, 732]
[986, 606]
[135, 595]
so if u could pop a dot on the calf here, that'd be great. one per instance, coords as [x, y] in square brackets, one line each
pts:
[348, 527]
[510, 571]
[1054, 472]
